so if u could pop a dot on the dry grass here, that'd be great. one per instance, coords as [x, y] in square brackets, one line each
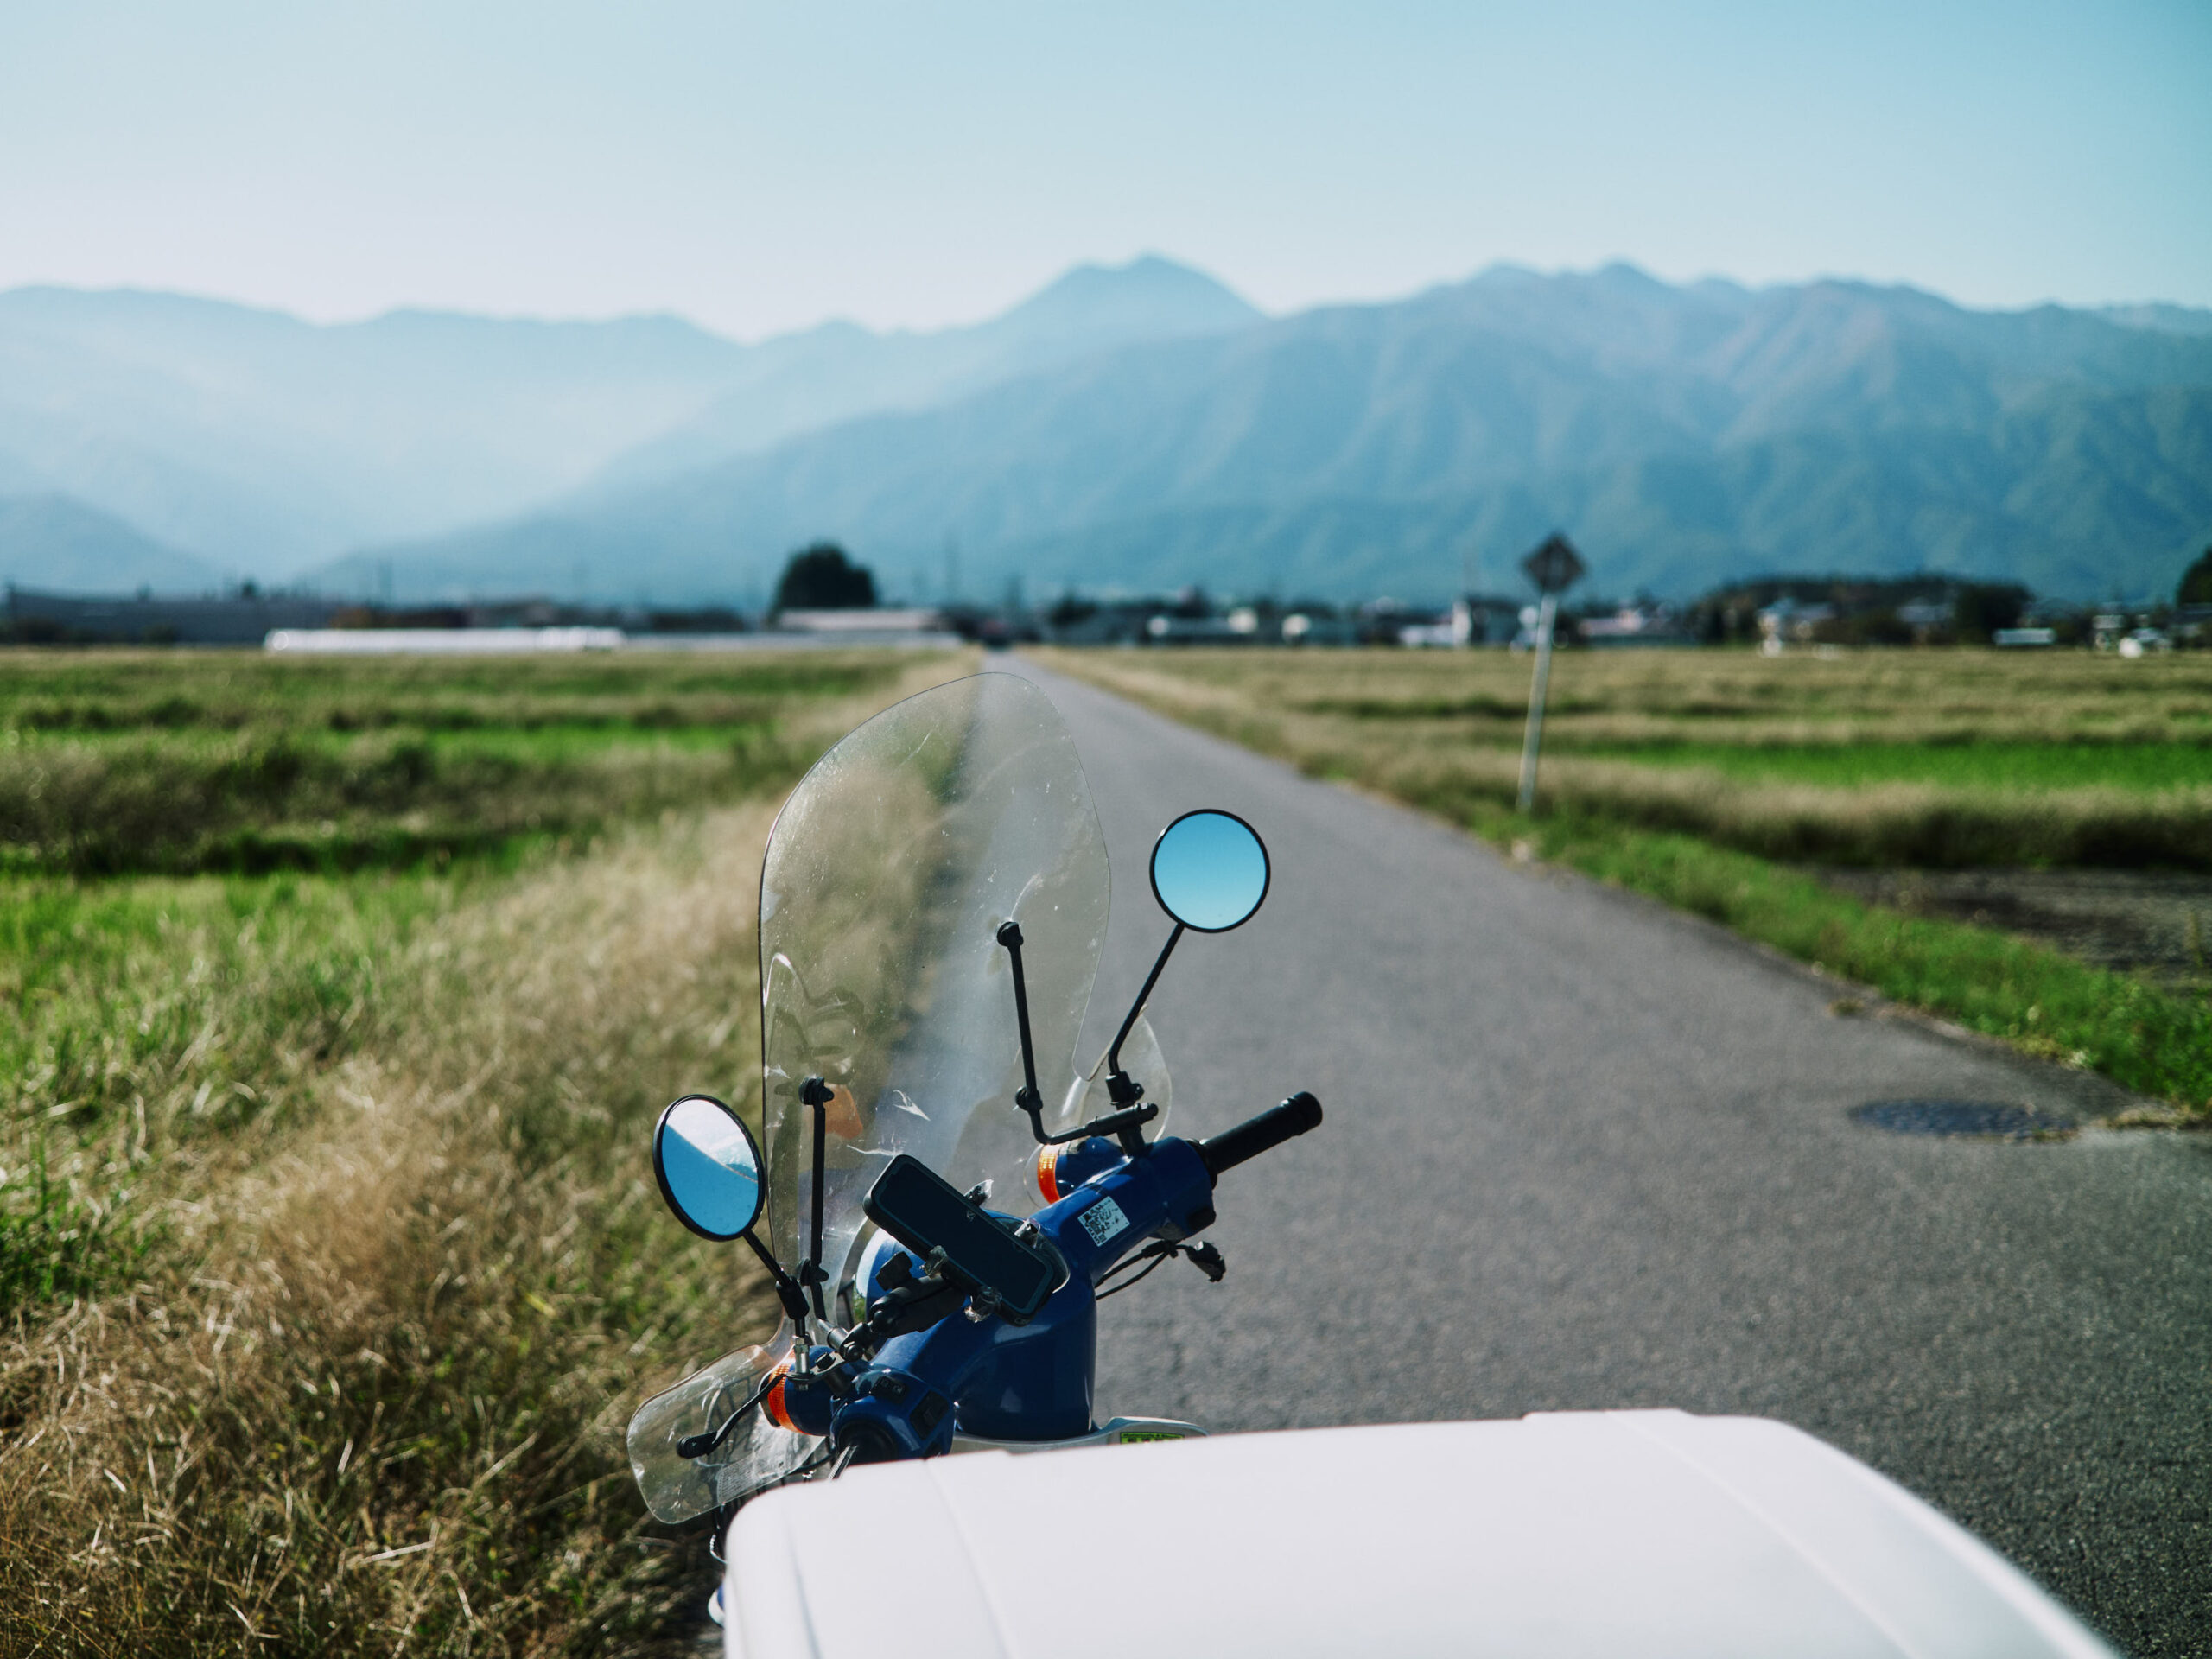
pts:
[160, 1021]
[365, 1391]
[1930, 825]
[1612, 698]
[1447, 725]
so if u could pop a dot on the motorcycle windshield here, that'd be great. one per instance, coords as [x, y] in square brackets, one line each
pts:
[887, 876]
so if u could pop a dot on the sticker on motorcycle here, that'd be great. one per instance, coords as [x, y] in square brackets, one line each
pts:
[1103, 1220]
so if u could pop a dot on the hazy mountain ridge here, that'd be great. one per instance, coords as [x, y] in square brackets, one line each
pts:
[79, 549]
[264, 443]
[1131, 427]
[840, 370]
[2170, 319]
[267, 444]
[1684, 435]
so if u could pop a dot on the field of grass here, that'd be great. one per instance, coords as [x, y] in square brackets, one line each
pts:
[331, 1265]
[119, 762]
[2014, 767]
[1932, 759]
[1610, 697]
[1710, 779]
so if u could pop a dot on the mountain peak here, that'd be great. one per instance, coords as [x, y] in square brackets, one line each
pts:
[1151, 297]
[1622, 277]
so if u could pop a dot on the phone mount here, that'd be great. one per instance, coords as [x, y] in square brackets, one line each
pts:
[1000, 1269]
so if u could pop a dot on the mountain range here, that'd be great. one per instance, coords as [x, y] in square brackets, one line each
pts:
[1138, 427]
[262, 445]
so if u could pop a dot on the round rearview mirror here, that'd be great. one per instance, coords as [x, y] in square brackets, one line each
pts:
[1209, 871]
[708, 1166]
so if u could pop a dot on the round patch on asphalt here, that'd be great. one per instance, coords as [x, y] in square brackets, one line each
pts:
[1977, 1117]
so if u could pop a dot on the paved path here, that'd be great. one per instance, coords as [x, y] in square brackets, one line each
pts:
[1584, 1152]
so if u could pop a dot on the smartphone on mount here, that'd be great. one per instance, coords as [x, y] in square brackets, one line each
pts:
[926, 1212]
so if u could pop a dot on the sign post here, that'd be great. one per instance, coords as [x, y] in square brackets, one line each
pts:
[1554, 567]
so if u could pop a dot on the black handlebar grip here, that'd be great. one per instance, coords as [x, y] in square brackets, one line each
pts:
[1266, 1132]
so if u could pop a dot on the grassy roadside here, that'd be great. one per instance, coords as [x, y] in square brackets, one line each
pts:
[2152, 1041]
[2041, 1002]
[366, 1390]
[347, 1275]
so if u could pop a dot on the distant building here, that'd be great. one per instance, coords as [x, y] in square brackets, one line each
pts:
[35, 618]
[870, 620]
[1317, 628]
[1087, 622]
[1636, 624]
[1165, 629]
[1430, 633]
[439, 642]
[1791, 621]
[1485, 620]
[872, 627]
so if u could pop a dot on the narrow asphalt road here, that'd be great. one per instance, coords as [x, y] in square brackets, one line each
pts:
[1583, 1151]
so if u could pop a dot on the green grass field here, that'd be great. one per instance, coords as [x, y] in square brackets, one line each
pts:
[1714, 779]
[2022, 767]
[113, 763]
[340, 997]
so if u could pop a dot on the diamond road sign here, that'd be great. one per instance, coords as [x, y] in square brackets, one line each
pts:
[1554, 567]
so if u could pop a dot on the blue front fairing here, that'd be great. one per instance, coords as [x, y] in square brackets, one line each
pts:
[1034, 1382]
[1009, 1383]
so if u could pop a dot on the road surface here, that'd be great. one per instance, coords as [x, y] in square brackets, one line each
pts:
[1584, 1152]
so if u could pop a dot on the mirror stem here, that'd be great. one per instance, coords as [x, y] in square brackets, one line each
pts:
[788, 1291]
[815, 1093]
[1028, 1099]
[1124, 1124]
[1118, 1079]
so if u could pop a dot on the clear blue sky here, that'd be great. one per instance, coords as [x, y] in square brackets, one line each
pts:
[761, 166]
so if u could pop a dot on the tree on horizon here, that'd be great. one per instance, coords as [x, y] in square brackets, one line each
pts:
[820, 577]
[2196, 582]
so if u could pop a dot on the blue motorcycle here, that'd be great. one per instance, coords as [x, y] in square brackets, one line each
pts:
[946, 1193]
[946, 1197]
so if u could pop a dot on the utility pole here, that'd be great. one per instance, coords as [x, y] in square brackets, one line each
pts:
[1554, 567]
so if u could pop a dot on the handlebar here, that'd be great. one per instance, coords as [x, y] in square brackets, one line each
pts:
[1301, 1113]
